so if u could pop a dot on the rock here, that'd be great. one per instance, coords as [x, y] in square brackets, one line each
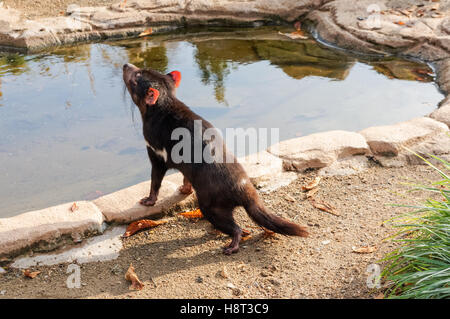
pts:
[261, 164]
[199, 280]
[337, 22]
[275, 282]
[123, 206]
[48, 228]
[388, 140]
[442, 114]
[266, 171]
[347, 166]
[269, 183]
[437, 145]
[319, 150]
[116, 269]
[443, 75]
[231, 286]
[446, 26]
[99, 248]
[237, 292]
[87, 23]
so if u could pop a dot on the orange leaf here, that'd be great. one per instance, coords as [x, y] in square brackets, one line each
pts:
[146, 32]
[246, 235]
[136, 284]
[313, 184]
[30, 274]
[192, 214]
[424, 72]
[323, 206]
[268, 233]
[74, 207]
[139, 225]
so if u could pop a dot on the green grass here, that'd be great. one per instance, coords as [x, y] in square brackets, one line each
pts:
[420, 267]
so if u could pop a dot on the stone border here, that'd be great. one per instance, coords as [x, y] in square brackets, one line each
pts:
[333, 152]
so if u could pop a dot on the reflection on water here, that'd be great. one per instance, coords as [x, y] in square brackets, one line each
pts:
[66, 130]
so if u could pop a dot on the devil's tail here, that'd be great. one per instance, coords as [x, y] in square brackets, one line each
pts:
[262, 217]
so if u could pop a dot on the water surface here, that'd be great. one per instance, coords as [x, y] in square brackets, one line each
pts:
[67, 130]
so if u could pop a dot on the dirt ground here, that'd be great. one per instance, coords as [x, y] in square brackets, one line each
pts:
[183, 259]
[33, 9]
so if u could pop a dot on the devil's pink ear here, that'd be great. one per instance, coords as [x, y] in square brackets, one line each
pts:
[176, 77]
[152, 96]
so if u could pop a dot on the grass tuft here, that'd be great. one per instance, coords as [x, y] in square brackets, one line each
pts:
[420, 267]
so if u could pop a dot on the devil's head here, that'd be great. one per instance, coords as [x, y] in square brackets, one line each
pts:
[149, 88]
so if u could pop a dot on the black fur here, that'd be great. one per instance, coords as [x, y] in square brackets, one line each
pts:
[220, 187]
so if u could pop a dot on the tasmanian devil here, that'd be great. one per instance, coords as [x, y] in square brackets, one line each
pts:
[219, 181]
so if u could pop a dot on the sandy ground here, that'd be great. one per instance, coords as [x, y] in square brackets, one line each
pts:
[50, 8]
[183, 259]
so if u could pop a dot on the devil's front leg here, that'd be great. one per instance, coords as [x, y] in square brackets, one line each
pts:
[159, 169]
[186, 188]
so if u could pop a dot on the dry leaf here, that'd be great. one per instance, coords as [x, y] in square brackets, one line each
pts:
[223, 273]
[289, 198]
[74, 207]
[323, 206]
[215, 232]
[246, 235]
[313, 184]
[312, 192]
[294, 35]
[422, 71]
[364, 250]
[136, 284]
[146, 32]
[122, 5]
[192, 214]
[30, 274]
[437, 15]
[268, 233]
[405, 13]
[134, 227]
[379, 296]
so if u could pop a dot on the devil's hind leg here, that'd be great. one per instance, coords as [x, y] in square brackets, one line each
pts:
[222, 219]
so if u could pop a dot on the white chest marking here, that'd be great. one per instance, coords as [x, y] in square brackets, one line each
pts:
[161, 153]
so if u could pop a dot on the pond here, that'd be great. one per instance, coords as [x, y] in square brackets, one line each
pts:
[68, 130]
